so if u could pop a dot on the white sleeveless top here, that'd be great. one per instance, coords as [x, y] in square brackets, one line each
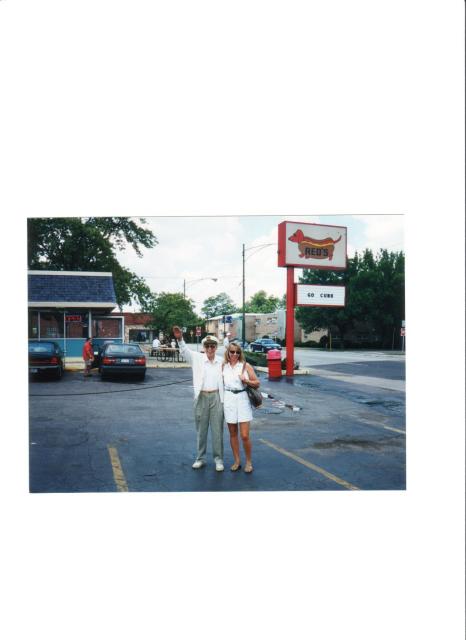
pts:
[231, 376]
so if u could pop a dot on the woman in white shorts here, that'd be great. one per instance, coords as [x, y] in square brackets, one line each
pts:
[236, 405]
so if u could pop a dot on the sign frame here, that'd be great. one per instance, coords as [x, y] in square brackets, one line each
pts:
[282, 244]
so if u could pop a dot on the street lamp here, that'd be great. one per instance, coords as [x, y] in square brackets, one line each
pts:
[193, 281]
[259, 247]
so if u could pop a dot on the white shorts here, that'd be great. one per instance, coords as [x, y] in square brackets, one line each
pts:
[237, 407]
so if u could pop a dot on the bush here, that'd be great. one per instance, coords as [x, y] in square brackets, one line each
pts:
[256, 359]
[295, 367]
[311, 344]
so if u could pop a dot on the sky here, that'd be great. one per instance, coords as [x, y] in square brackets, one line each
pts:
[194, 250]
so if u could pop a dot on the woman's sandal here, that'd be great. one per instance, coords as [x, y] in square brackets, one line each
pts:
[235, 466]
[248, 468]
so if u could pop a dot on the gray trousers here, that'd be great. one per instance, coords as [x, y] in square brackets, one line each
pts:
[209, 410]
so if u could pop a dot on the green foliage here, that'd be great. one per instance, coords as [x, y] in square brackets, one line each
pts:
[260, 302]
[295, 364]
[255, 358]
[89, 244]
[218, 305]
[169, 309]
[374, 297]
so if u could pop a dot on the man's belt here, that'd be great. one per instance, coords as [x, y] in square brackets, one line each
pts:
[212, 391]
[235, 390]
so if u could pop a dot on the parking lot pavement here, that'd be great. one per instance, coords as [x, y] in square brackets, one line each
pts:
[312, 433]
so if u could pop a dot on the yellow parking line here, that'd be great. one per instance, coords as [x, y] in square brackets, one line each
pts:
[314, 467]
[118, 474]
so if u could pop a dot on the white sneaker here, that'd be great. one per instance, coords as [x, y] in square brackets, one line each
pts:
[219, 466]
[198, 464]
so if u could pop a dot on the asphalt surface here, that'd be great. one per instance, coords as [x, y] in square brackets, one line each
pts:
[313, 433]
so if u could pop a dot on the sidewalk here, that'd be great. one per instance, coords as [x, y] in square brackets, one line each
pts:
[77, 364]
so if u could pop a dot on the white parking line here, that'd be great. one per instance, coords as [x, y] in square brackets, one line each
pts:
[381, 383]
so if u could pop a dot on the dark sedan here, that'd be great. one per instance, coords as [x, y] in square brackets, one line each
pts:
[122, 359]
[45, 357]
[264, 345]
[98, 351]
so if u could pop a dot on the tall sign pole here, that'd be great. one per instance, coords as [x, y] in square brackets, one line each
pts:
[290, 304]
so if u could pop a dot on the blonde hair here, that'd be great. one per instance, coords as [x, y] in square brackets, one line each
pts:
[226, 356]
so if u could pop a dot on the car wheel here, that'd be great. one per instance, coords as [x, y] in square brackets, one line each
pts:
[59, 374]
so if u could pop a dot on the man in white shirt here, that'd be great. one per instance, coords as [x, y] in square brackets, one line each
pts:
[226, 340]
[155, 343]
[208, 397]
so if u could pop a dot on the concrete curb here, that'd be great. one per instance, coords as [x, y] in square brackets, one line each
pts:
[77, 366]
[296, 372]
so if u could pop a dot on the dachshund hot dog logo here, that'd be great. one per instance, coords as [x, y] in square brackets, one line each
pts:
[313, 248]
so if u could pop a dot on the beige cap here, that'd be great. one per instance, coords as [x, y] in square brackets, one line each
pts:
[210, 339]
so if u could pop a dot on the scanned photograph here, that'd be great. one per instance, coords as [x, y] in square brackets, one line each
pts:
[254, 353]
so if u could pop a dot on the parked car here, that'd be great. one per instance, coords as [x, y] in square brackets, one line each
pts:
[122, 359]
[45, 357]
[98, 350]
[264, 345]
[245, 345]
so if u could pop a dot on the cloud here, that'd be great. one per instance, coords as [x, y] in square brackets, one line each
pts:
[195, 249]
[380, 232]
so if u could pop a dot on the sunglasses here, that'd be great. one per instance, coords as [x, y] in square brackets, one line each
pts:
[210, 346]
[237, 352]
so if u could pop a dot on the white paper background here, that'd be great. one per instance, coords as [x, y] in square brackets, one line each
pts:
[208, 107]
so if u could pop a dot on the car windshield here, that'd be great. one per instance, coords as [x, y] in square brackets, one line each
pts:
[43, 347]
[127, 349]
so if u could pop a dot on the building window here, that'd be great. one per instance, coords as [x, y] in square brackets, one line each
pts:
[33, 329]
[51, 324]
[77, 324]
[139, 335]
[107, 328]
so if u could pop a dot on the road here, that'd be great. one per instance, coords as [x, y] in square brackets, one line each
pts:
[328, 431]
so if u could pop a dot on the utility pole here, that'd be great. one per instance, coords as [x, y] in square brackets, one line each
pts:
[243, 330]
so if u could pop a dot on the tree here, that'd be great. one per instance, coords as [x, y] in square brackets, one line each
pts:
[260, 302]
[374, 296]
[218, 305]
[90, 244]
[169, 309]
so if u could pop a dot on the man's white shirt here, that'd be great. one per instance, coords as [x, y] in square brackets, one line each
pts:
[205, 372]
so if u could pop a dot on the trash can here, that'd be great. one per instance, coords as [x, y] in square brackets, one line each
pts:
[274, 363]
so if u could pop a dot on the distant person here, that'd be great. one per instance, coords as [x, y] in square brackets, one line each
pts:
[88, 357]
[226, 340]
[236, 374]
[155, 343]
[173, 344]
[208, 397]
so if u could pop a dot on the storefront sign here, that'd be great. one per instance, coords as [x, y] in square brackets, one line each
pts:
[316, 295]
[311, 245]
[73, 318]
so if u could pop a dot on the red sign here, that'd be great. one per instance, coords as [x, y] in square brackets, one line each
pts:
[73, 318]
[198, 332]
